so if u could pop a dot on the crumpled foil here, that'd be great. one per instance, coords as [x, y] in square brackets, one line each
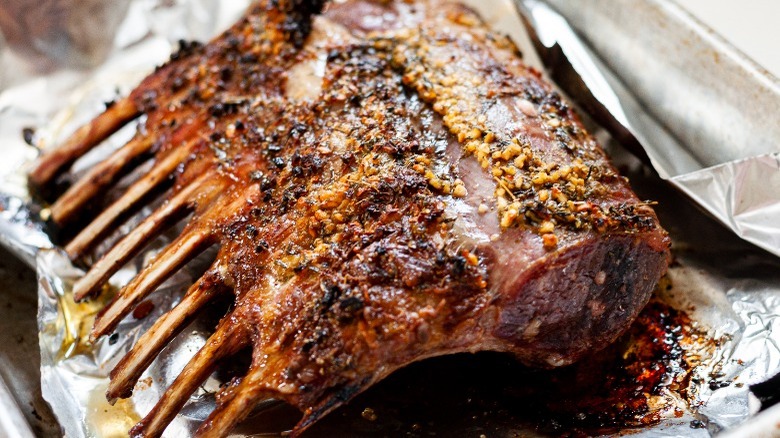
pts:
[729, 287]
[685, 104]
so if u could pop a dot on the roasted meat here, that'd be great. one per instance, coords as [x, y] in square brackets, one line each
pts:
[385, 182]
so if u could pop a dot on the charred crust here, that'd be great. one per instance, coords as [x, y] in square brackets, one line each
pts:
[186, 48]
[335, 224]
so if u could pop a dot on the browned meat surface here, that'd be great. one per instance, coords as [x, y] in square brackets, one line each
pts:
[386, 182]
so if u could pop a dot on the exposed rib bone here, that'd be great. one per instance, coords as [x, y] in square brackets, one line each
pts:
[129, 369]
[227, 415]
[135, 193]
[228, 339]
[97, 179]
[81, 141]
[178, 253]
[173, 210]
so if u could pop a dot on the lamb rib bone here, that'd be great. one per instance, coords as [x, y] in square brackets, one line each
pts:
[201, 191]
[225, 341]
[130, 199]
[81, 141]
[96, 180]
[127, 372]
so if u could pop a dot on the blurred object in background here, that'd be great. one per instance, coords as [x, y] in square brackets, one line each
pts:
[60, 33]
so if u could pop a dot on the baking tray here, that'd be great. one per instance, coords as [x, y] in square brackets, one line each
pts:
[24, 412]
[19, 354]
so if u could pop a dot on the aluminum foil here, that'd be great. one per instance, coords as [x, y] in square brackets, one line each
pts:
[705, 114]
[731, 289]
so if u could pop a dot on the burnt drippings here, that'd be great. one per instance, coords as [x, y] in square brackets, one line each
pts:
[610, 391]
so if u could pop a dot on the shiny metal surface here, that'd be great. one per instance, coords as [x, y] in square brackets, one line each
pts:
[714, 100]
[707, 118]
[20, 395]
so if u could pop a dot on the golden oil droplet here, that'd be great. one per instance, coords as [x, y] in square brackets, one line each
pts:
[108, 421]
[75, 321]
